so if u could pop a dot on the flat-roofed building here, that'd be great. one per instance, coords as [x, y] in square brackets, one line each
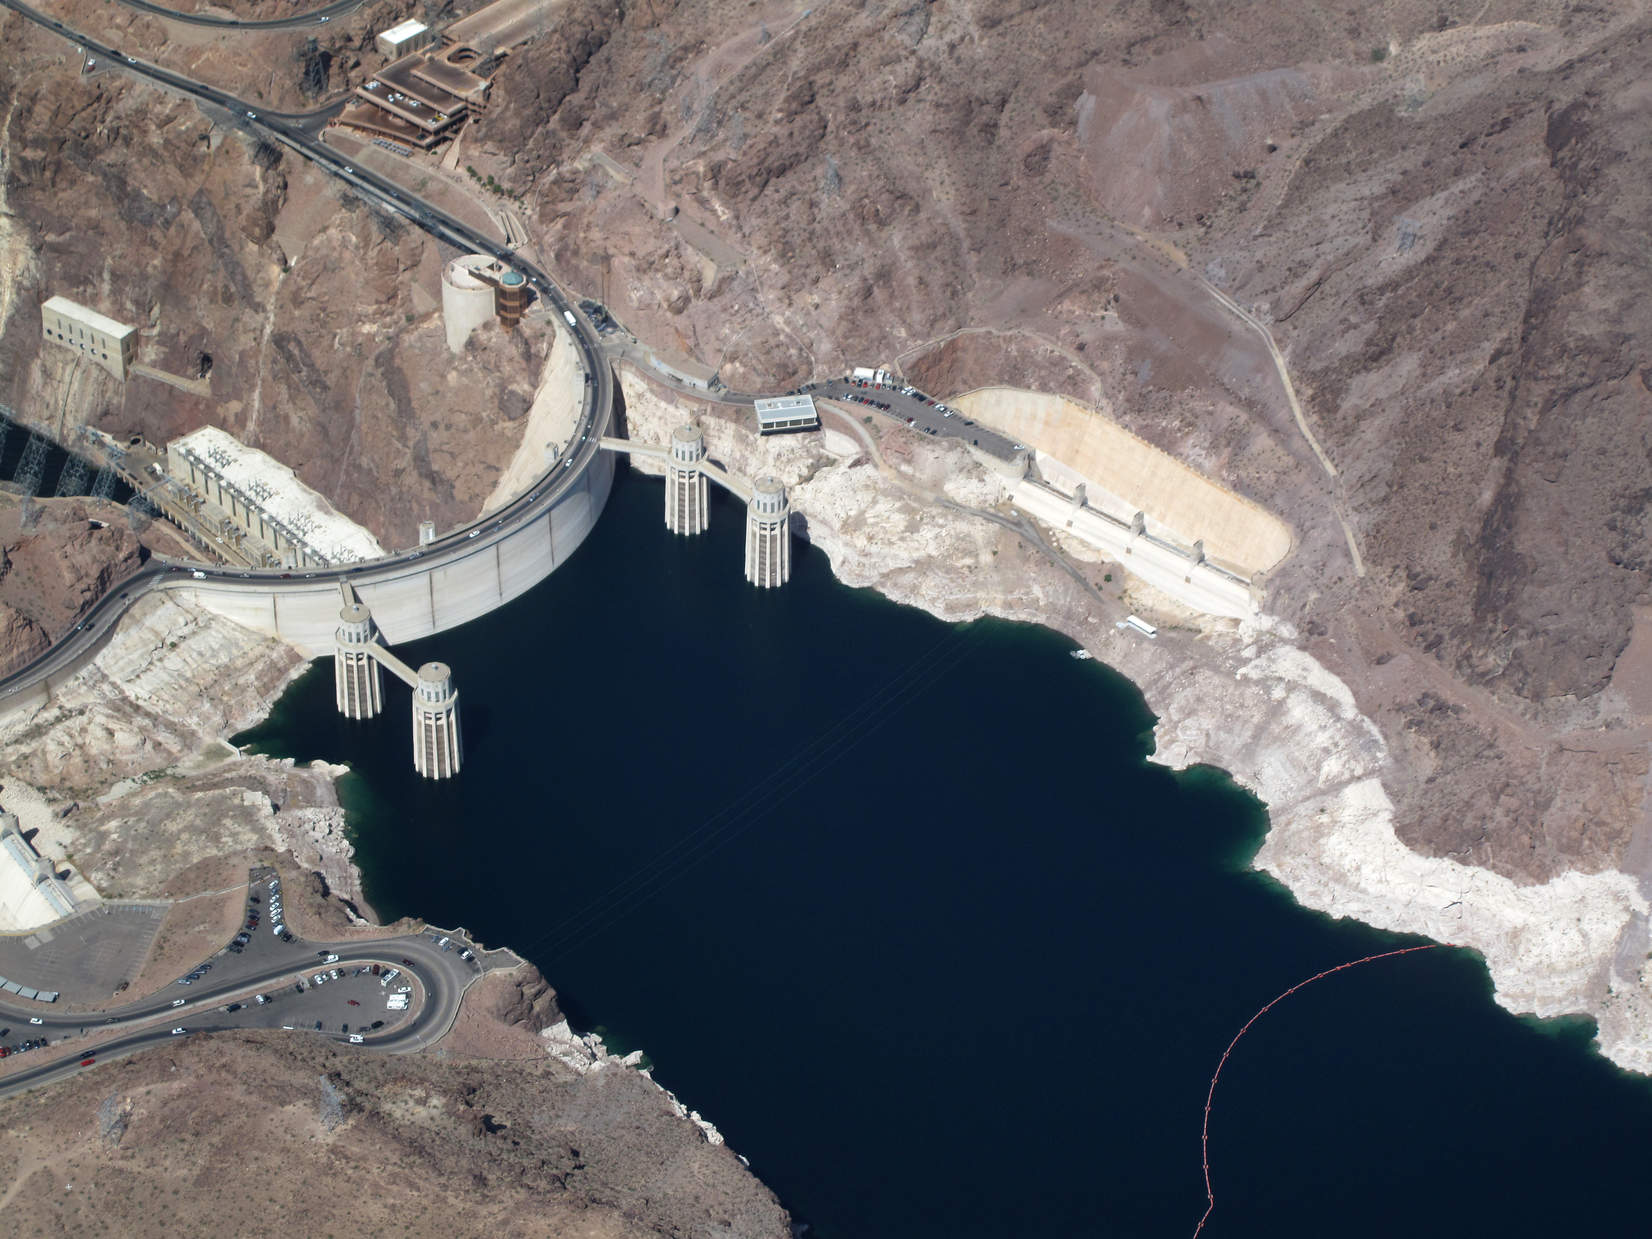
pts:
[502, 25]
[423, 101]
[410, 36]
[258, 498]
[98, 337]
[781, 414]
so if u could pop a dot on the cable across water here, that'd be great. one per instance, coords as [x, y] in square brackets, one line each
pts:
[806, 763]
[1210, 1096]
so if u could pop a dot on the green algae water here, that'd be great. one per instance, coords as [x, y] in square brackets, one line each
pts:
[903, 908]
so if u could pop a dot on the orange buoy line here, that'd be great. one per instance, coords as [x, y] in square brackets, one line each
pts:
[1210, 1196]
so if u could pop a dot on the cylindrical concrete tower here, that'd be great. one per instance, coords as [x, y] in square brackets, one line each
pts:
[685, 484]
[768, 534]
[357, 681]
[436, 723]
[467, 302]
[511, 298]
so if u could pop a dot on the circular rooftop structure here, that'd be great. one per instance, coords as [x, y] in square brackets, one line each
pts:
[768, 496]
[458, 273]
[436, 684]
[511, 279]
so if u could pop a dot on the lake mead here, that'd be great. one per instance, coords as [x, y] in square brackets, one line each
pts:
[904, 908]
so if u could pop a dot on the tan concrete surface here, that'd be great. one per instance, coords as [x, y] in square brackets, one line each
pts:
[1176, 497]
[412, 600]
[552, 420]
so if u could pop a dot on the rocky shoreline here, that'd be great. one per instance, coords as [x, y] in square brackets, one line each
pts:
[128, 768]
[1246, 698]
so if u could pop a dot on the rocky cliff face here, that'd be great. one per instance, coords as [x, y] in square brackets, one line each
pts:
[52, 571]
[154, 696]
[165, 1142]
[919, 520]
[1432, 209]
[318, 314]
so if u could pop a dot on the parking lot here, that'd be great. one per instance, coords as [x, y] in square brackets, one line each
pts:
[348, 1001]
[915, 409]
[88, 957]
[400, 993]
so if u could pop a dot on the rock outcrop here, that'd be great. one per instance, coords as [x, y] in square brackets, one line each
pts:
[917, 520]
[52, 571]
[320, 314]
[169, 684]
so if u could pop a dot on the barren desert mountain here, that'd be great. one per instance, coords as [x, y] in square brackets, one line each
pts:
[1436, 209]
[1376, 268]
[54, 566]
[314, 316]
[302, 1137]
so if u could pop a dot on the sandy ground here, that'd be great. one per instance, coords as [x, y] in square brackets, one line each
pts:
[1632, 676]
[478, 1033]
[194, 929]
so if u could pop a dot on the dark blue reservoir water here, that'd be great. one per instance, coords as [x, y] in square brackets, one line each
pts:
[902, 907]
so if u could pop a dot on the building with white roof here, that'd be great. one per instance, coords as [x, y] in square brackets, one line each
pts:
[258, 499]
[779, 414]
[410, 36]
[98, 337]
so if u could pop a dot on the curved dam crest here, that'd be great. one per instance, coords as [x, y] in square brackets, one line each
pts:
[409, 603]
[898, 887]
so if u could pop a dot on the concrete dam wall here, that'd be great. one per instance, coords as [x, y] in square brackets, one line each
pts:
[411, 600]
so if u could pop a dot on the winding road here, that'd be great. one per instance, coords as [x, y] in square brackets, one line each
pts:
[315, 17]
[442, 976]
[294, 131]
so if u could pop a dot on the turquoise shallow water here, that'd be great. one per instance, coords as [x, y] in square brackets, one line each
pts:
[902, 907]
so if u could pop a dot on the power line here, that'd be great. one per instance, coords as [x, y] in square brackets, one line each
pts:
[805, 763]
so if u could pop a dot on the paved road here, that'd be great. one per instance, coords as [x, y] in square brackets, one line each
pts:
[439, 978]
[294, 131]
[926, 414]
[916, 410]
[315, 17]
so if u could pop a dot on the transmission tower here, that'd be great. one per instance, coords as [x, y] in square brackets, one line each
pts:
[32, 467]
[103, 485]
[72, 481]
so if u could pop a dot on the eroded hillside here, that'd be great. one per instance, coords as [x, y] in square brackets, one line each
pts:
[314, 316]
[1439, 209]
[280, 1132]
